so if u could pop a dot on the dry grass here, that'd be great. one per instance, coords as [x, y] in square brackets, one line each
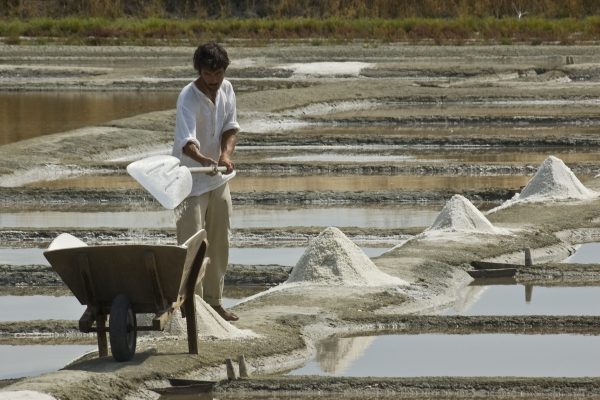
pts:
[103, 30]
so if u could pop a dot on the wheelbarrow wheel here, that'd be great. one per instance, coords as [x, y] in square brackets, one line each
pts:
[122, 328]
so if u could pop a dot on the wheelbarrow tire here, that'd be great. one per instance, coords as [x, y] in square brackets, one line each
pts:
[122, 329]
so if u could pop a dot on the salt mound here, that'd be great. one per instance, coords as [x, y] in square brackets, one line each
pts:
[459, 214]
[209, 323]
[333, 259]
[554, 180]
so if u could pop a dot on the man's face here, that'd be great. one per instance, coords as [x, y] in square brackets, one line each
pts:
[212, 78]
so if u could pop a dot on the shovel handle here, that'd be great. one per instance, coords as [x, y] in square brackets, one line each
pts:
[206, 170]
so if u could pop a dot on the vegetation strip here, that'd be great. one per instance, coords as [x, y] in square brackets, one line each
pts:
[106, 30]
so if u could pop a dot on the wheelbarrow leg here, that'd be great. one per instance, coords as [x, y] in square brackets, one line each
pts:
[101, 334]
[192, 326]
[92, 312]
[189, 306]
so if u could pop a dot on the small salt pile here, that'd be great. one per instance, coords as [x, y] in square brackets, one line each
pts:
[459, 214]
[210, 324]
[554, 180]
[333, 259]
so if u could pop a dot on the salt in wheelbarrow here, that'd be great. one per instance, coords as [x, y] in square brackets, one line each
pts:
[120, 281]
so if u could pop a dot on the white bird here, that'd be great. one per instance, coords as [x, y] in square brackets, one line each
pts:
[519, 12]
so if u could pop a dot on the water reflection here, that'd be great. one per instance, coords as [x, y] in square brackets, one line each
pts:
[459, 355]
[335, 356]
[62, 111]
[518, 299]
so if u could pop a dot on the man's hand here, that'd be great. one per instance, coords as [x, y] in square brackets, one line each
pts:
[226, 162]
[191, 150]
[228, 141]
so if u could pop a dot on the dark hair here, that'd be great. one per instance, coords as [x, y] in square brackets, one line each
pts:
[210, 56]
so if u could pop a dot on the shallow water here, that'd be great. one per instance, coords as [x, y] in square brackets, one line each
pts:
[404, 154]
[324, 182]
[368, 183]
[63, 111]
[457, 355]
[243, 217]
[587, 253]
[237, 255]
[26, 256]
[25, 308]
[17, 361]
[527, 300]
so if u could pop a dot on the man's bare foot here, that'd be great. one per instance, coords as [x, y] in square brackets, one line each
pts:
[225, 314]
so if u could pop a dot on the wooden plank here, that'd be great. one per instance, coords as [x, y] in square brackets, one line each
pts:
[493, 265]
[101, 334]
[159, 298]
[493, 273]
[189, 305]
[87, 319]
[86, 280]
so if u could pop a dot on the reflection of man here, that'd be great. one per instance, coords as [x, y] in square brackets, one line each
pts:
[205, 134]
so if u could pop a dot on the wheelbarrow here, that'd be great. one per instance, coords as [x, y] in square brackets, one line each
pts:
[120, 281]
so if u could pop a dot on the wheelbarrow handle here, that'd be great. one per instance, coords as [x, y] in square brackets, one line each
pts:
[206, 170]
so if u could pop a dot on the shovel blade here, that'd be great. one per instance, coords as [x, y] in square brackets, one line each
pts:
[163, 177]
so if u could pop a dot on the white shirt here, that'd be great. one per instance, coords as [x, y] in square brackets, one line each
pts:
[201, 122]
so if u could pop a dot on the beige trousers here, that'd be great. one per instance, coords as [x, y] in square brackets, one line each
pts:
[210, 211]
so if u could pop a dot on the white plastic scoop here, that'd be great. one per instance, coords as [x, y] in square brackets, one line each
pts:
[165, 179]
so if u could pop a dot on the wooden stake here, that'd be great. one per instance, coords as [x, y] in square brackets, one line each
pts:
[230, 371]
[528, 258]
[243, 366]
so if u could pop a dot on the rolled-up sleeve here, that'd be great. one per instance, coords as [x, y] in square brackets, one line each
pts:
[231, 114]
[185, 129]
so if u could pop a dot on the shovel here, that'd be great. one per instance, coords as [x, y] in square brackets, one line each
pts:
[166, 180]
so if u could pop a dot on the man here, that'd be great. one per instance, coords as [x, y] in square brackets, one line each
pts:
[205, 135]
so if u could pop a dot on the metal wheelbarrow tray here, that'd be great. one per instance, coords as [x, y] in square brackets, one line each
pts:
[120, 281]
